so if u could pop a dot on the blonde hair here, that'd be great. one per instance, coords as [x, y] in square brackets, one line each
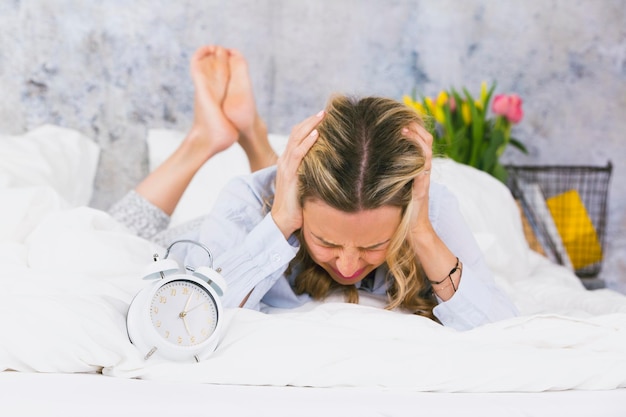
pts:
[363, 161]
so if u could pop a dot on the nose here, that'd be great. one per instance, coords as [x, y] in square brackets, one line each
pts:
[348, 262]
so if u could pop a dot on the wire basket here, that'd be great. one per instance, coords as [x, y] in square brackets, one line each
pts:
[566, 208]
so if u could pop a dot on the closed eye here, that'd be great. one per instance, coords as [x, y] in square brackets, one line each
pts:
[372, 248]
[378, 246]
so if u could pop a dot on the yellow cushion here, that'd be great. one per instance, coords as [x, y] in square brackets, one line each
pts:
[576, 229]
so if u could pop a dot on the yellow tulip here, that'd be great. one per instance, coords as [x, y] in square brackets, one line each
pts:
[415, 105]
[439, 115]
[430, 105]
[466, 113]
[483, 93]
[442, 98]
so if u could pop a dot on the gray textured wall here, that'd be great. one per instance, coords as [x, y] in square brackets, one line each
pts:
[113, 69]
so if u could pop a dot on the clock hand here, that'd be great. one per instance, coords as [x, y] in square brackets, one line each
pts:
[185, 324]
[183, 314]
[187, 303]
[194, 307]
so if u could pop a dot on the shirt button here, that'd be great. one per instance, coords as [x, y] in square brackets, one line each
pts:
[275, 257]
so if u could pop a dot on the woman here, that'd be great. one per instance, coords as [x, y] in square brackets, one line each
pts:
[348, 207]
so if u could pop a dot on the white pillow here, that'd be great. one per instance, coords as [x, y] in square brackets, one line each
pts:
[61, 158]
[66, 293]
[200, 196]
[491, 213]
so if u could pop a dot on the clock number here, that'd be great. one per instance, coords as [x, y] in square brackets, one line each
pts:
[180, 306]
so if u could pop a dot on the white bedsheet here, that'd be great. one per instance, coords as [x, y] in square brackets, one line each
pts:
[69, 273]
[80, 395]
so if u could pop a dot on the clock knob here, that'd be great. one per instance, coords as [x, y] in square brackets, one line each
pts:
[213, 278]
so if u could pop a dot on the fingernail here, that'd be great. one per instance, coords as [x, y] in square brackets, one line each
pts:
[405, 130]
[320, 114]
[314, 132]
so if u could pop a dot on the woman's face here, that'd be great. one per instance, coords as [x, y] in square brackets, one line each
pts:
[348, 245]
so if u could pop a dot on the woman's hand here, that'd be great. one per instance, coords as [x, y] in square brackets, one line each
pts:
[286, 210]
[420, 222]
[434, 255]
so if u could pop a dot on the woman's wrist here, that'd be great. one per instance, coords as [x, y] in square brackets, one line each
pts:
[282, 225]
[448, 285]
[423, 238]
[441, 266]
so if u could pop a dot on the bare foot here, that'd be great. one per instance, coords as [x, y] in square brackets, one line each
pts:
[240, 108]
[212, 131]
[239, 105]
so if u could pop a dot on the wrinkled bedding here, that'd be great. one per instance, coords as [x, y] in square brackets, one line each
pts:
[69, 273]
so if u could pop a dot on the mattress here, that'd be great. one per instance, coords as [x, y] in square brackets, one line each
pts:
[69, 395]
[69, 272]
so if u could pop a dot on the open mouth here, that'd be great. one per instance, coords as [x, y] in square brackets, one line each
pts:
[351, 277]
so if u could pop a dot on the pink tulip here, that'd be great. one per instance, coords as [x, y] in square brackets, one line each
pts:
[452, 103]
[508, 106]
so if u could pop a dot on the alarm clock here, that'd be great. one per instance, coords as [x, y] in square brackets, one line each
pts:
[178, 316]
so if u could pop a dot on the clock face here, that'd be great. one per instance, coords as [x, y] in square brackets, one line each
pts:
[183, 313]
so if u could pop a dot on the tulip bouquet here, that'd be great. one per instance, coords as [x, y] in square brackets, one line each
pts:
[464, 131]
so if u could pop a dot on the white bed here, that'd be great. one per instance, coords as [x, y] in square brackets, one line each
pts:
[69, 273]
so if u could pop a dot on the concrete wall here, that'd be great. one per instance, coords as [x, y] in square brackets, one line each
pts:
[113, 69]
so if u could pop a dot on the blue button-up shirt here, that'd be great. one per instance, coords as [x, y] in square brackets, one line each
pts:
[252, 254]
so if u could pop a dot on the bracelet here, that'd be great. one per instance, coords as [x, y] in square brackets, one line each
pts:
[457, 267]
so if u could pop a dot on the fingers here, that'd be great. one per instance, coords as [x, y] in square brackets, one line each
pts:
[286, 211]
[304, 128]
[420, 134]
[424, 139]
[421, 183]
[302, 137]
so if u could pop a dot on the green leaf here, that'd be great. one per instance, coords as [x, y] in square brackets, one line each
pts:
[460, 148]
[477, 128]
[500, 172]
[448, 125]
[489, 94]
[519, 145]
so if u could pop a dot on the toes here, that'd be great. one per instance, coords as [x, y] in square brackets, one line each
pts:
[235, 55]
[210, 61]
[202, 52]
[221, 53]
[237, 62]
[208, 52]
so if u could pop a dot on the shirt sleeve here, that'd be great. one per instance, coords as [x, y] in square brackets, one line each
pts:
[248, 248]
[477, 300]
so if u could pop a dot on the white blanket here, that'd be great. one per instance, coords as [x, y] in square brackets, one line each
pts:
[68, 274]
